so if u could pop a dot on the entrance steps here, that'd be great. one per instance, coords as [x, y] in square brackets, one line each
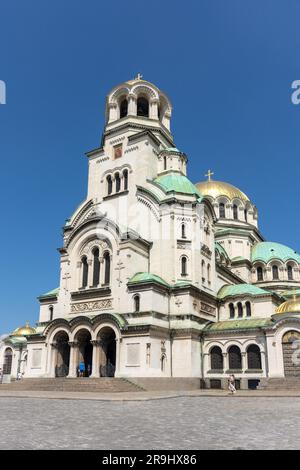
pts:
[281, 383]
[62, 384]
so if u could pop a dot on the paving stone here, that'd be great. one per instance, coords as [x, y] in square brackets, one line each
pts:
[174, 423]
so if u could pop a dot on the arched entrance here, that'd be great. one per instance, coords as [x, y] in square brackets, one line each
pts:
[85, 353]
[7, 364]
[61, 341]
[290, 351]
[107, 338]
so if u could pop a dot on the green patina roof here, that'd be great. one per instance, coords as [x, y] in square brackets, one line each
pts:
[266, 251]
[147, 277]
[51, 293]
[241, 289]
[225, 231]
[239, 258]
[221, 250]
[239, 324]
[178, 183]
[172, 149]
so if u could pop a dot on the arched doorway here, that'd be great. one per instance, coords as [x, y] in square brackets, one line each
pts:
[85, 353]
[290, 348]
[61, 341]
[7, 364]
[107, 338]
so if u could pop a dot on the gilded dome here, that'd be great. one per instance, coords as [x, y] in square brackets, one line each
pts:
[290, 306]
[24, 330]
[215, 189]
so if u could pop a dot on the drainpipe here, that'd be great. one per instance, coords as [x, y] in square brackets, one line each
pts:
[171, 335]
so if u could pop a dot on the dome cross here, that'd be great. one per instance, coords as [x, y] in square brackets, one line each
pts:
[209, 174]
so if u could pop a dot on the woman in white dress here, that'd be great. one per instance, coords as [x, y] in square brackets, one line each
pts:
[231, 384]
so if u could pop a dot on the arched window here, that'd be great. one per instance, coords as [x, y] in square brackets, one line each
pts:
[275, 272]
[106, 258]
[248, 309]
[51, 313]
[142, 107]
[7, 364]
[184, 266]
[208, 273]
[183, 232]
[85, 269]
[240, 309]
[96, 267]
[235, 358]
[165, 163]
[254, 357]
[136, 301]
[125, 177]
[118, 182]
[290, 272]
[216, 358]
[235, 212]
[222, 210]
[109, 184]
[260, 274]
[231, 310]
[246, 215]
[123, 108]
[203, 270]
[163, 363]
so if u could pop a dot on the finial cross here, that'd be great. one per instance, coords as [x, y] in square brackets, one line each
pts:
[209, 175]
[139, 76]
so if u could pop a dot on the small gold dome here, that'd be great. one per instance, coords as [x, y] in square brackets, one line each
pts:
[24, 330]
[290, 306]
[219, 188]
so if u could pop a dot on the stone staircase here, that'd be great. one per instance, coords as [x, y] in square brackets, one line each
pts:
[280, 384]
[97, 385]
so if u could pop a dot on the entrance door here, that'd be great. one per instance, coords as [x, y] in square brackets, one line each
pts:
[63, 354]
[291, 358]
[85, 353]
[108, 352]
[7, 361]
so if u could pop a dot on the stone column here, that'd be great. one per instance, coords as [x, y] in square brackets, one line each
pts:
[153, 114]
[132, 111]
[244, 361]
[225, 362]
[95, 359]
[53, 358]
[73, 358]
[118, 356]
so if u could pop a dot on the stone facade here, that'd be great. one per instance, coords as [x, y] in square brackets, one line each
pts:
[158, 275]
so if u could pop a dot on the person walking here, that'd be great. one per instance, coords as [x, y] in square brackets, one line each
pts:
[231, 384]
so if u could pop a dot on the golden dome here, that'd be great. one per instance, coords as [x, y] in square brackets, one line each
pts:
[24, 330]
[290, 306]
[219, 188]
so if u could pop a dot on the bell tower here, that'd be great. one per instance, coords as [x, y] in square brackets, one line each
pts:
[137, 130]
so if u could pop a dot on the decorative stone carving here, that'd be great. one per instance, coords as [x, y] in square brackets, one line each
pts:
[104, 304]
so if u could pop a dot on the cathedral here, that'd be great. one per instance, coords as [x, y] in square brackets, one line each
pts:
[161, 277]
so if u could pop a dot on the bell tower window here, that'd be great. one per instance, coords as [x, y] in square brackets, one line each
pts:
[222, 210]
[142, 107]
[109, 184]
[85, 269]
[123, 108]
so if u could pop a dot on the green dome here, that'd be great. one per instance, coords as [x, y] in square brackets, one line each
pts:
[177, 183]
[266, 251]
[241, 289]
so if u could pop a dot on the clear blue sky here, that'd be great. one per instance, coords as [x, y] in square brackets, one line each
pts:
[227, 67]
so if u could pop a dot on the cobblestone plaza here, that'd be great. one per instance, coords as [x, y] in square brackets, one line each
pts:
[174, 423]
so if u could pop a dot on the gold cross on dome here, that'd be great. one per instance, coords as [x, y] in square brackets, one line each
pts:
[139, 76]
[209, 175]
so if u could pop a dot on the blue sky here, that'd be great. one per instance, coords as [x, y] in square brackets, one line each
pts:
[227, 67]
